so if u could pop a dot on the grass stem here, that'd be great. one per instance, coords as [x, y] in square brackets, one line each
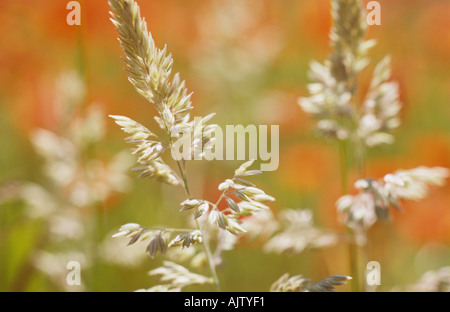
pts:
[205, 243]
[352, 247]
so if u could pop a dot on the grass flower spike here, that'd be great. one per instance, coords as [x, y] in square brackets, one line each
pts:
[334, 84]
[375, 197]
[150, 73]
[298, 283]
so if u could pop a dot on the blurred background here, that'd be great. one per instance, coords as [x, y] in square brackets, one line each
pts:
[65, 184]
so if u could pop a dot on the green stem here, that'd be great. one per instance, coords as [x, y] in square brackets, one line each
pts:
[360, 158]
[184, 178]
[352, 248]
[209, 256]
[205, 243]
[343, 159]
[353, 254]
[363, 250]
